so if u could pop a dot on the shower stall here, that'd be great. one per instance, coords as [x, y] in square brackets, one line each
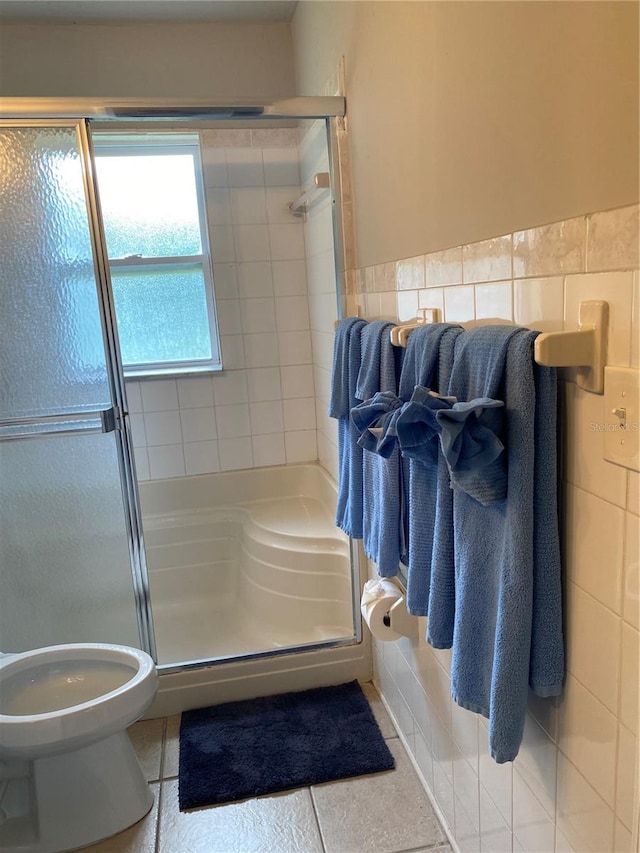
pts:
[187, 509]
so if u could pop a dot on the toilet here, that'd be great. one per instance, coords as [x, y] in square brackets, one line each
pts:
[69, 776]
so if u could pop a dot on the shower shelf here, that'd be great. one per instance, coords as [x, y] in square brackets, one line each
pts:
[306, 199]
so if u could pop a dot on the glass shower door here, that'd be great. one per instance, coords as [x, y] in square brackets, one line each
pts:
[71, 565]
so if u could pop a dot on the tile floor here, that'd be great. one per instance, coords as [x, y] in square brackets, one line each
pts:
[382, 813]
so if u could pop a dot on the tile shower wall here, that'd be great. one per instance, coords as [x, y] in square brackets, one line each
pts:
[572, 785]
[260, 409]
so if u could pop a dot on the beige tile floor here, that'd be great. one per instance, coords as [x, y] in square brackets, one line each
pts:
[382, 813]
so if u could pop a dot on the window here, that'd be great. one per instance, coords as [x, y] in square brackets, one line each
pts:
[153, 208]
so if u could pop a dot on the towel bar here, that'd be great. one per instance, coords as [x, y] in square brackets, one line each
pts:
[584, 349]
[400, 333]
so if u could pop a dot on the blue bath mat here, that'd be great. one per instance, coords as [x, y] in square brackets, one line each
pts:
[260, 746]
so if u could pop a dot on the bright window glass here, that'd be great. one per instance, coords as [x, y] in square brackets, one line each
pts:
[149, 203]
[153, 208]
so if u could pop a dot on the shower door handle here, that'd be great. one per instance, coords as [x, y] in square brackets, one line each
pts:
[68, 423]
[112, 419]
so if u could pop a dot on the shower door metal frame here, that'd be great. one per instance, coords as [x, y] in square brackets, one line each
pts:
[48, 111]
[114, 419]
[335, 126]
[170, 109]
[124, 439]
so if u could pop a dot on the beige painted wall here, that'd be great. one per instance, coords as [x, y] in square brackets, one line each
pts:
[471, 119]
[195, 60]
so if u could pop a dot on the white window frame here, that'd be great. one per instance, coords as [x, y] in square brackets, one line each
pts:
[140, 144]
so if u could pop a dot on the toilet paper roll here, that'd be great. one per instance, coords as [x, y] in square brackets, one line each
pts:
[378, 596]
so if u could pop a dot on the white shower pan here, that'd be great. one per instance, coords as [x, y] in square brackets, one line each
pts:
[244, 562]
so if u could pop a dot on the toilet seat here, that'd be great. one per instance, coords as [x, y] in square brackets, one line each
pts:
[33, 735]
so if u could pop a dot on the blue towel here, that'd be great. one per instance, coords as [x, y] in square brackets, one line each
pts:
[494, 547]
[381, 511]
[442, 594]
[419, 368]
[480, 437]
[546, 666]
[377, 362]
[346, 364]
[421, 357]
[418, 428]
[340, 393]
[375, 421]
[473, 451]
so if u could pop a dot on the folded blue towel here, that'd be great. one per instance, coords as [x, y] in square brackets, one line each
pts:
[381, 511]
[346, 365]
[419, 368]
[468, 441]
[417, 426]
[494, 548]
[375, 421]
[486, 482]
[469, 435]
[442, 594]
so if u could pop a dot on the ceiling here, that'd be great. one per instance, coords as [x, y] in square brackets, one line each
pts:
[147, 10]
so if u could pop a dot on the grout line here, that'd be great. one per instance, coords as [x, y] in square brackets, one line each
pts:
[587, 239]
[156, 846]
[315, 814]
[594, 495]
[162, 748]
[595, 598]
[616, 780]
[535, 795]
[555, 800]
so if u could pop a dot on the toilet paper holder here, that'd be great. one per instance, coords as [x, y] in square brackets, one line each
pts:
[400, 620]
[384, 609]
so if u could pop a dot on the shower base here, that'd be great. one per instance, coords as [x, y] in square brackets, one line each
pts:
[245, 562]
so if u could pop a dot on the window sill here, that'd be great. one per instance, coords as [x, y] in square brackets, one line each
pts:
[172, 372]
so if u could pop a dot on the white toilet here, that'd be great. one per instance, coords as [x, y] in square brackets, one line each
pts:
[68, 774]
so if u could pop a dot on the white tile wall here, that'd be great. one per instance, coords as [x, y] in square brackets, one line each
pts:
[571, 787]
[539, 303]
[260, 410]
[587, 550]
[459, 304]
[489, 260]
[494, 302]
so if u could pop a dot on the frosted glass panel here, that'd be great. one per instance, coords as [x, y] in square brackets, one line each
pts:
[64, 563]
[179, 332]
[65, 566]
[149, 204]
[51, 346]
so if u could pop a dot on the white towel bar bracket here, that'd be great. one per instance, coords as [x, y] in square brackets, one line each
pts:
[400, 333]
[585, 348]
